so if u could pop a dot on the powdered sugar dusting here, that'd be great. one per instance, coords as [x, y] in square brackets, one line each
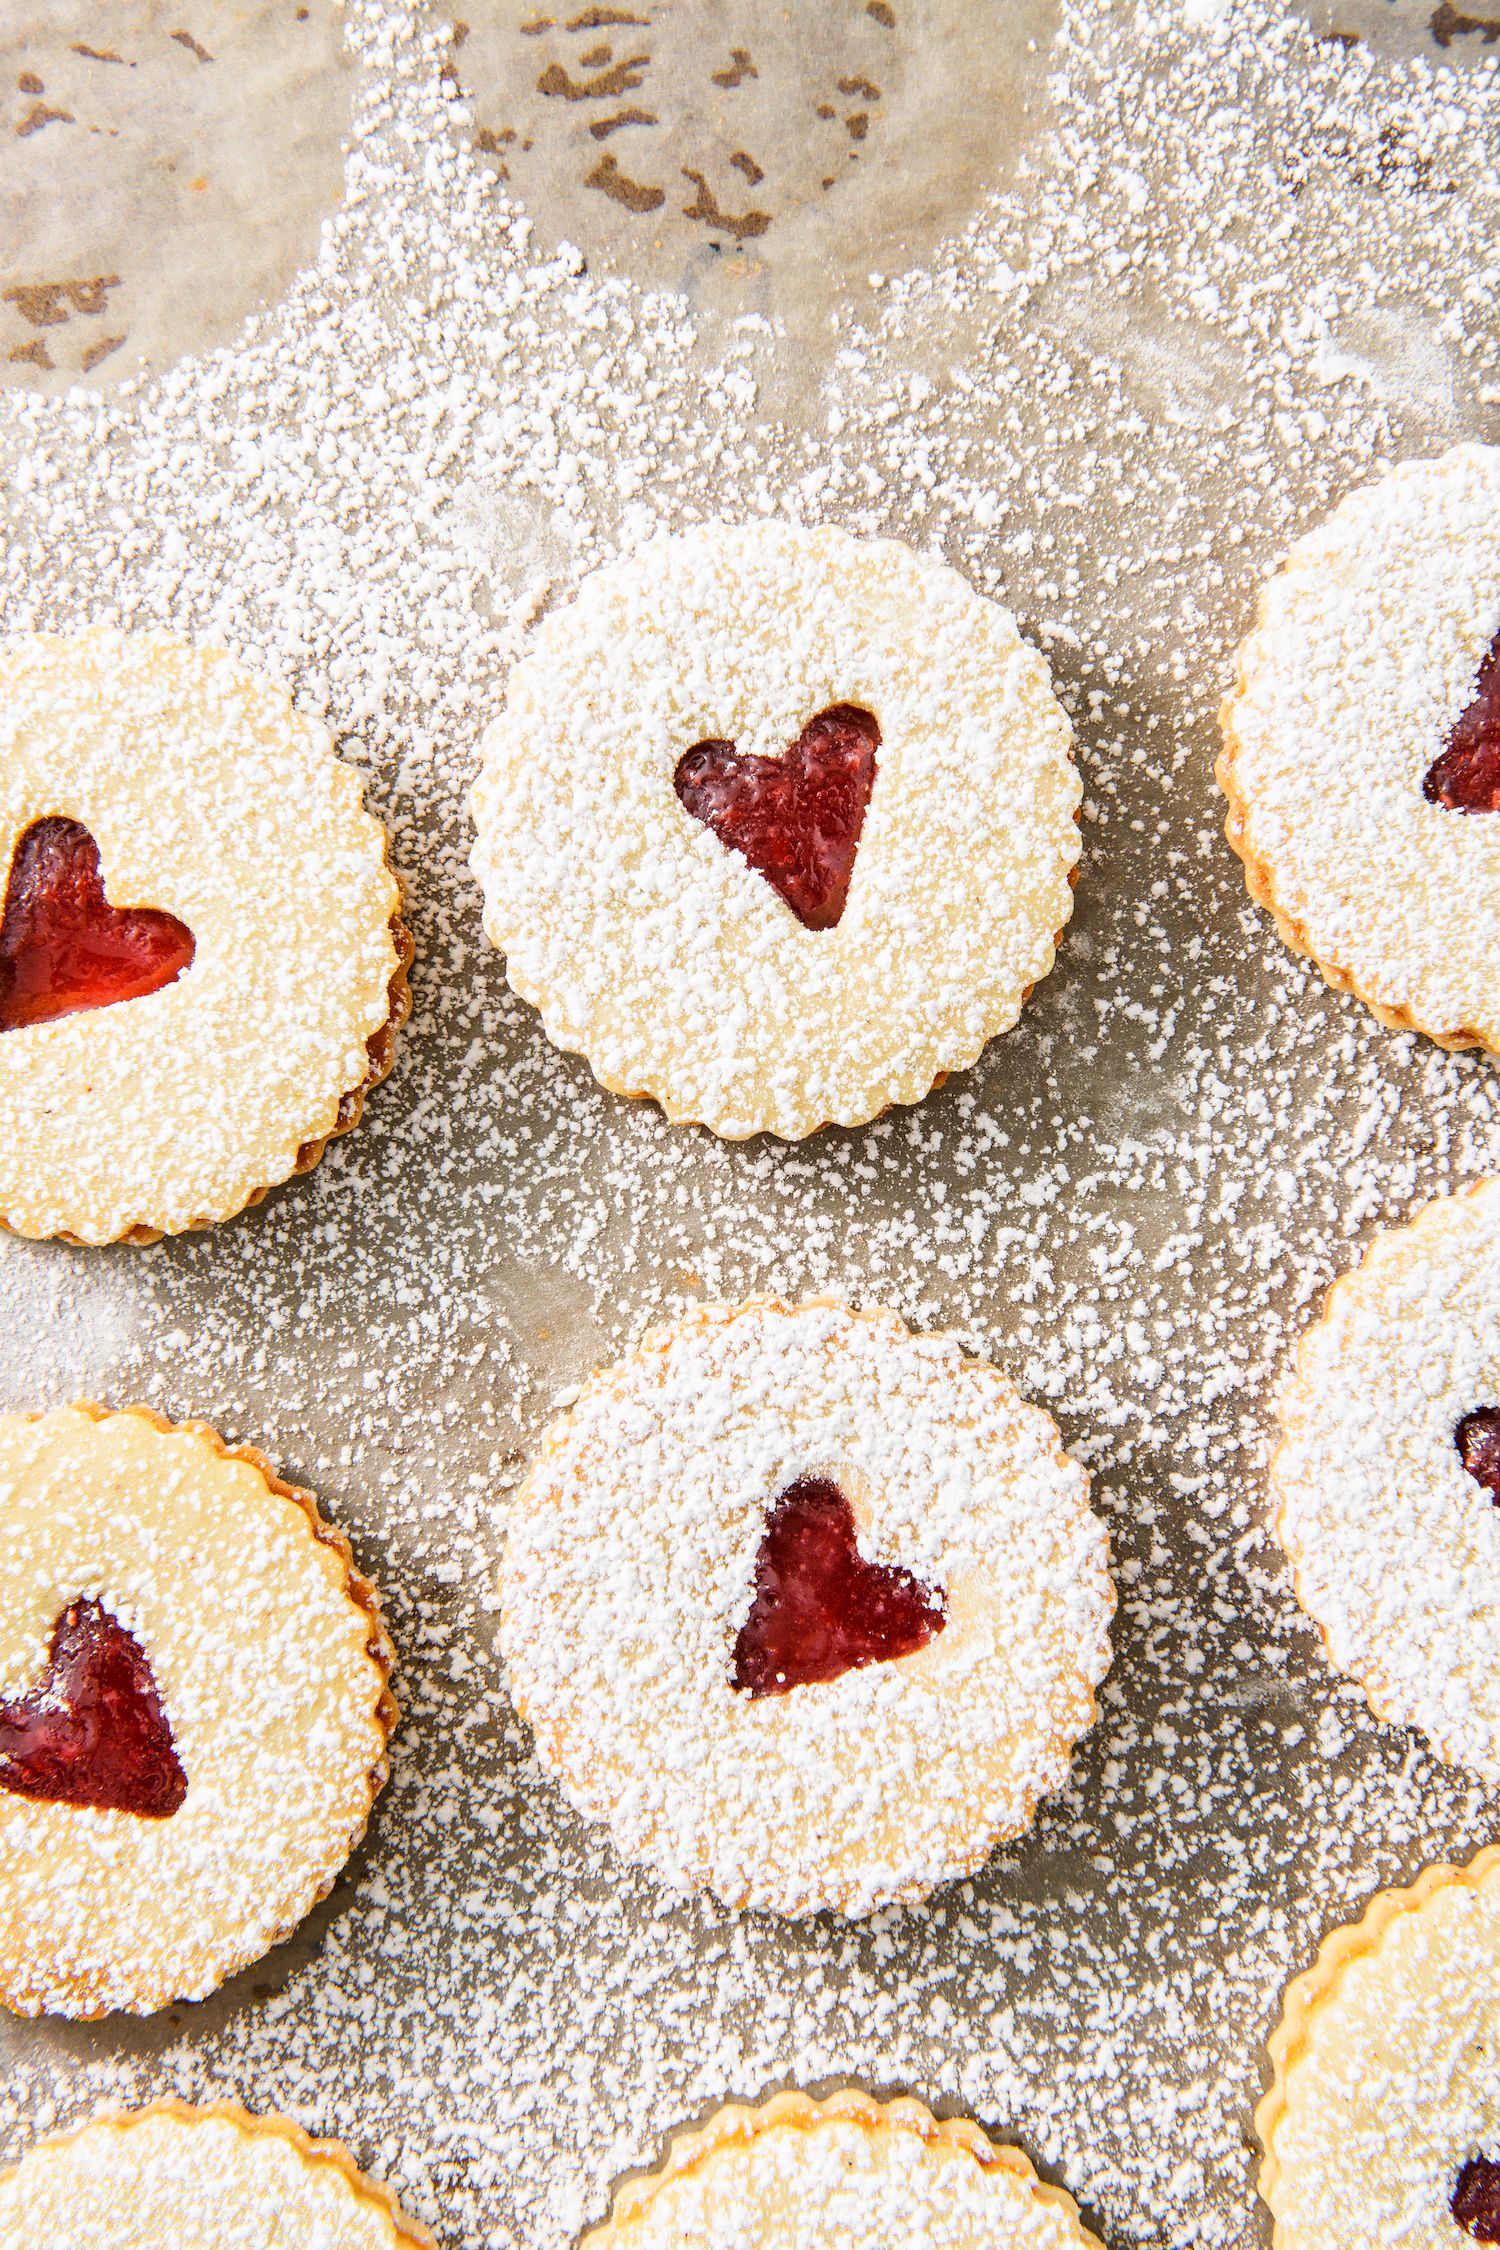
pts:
[1110, 405]
[1365, 654]
[271, 1672]
[631, 1567]
[668, 961]
[1396, 1546]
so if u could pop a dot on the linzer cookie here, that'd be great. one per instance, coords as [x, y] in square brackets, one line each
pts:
[847, 2173]
[1387, 1481]
[1382, 2124]
[175, 2178]
[1361, 751]
[808, 1609]
[194, 1710]
[202, 957]
[777, 826]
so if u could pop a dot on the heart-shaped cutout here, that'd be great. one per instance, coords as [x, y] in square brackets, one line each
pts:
[1466, 778]
[1478, 1440]
[92, 1731]
[820, 1609]
[796, 819]
[63, 947]
[1475, 2201]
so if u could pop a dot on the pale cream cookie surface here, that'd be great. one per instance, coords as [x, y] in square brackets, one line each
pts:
[173, 2177]
[667, 959]
[1394, 1544]
[210, 799]
[1385, 2099]
[631, 1568]
[270, 1664]
[846, 2173]
[1367, 650]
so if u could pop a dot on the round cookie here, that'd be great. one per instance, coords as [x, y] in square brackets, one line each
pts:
[1387, 1481]
[194, 1710]
[808, 1609]
[1361, 751]
[176, 2178]
[202, 957]
[847, 2173]
[1382, 2124]
[777, 826]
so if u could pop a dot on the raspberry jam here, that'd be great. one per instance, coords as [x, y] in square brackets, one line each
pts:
[820, 1609]
[63, 947]
[1475, 2202]
[93, 1732]
[1478, 1440]
[796, 819]
[1466, 778]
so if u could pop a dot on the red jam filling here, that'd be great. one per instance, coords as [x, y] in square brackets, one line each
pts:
[93, 1732]
[1478, 1440]
[820, 1609]
[63, 947]
[1475, 2202]
[796, 819]
[1466, 778]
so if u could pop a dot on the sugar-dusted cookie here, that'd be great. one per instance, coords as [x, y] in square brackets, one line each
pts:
[1361, 751]
[202, 957]
[777, 826]
[847, 2173]
[1387, 1480]
[1382, 2124]
[808, 1609]
[194, 1710]
[175, 2178]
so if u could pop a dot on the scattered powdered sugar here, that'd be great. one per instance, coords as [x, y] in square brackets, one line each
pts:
[631, 1567]
[1236, 272]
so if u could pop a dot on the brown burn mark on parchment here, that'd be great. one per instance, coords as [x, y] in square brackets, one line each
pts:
[634, 194]
[47, 304]
[704, 206]
[578, 90]
[1448, 23]
[608, 85]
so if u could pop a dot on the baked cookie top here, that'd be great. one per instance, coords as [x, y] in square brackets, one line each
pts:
[202, 961]
[1383, 2120]
[1362, 747]
[194, 1710]
[808, 1609]
[1387, 1479]
[777, 825]
[175, 2178]
[847, 2173]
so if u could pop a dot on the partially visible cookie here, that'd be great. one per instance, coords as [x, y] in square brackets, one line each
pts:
[194, 1710]
[778, 826]
[809, 1609]
[1382, 2124]
[176, 2178]
[847, 2173]
[1387, 1480]
[203, 962]
[1361, 751]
